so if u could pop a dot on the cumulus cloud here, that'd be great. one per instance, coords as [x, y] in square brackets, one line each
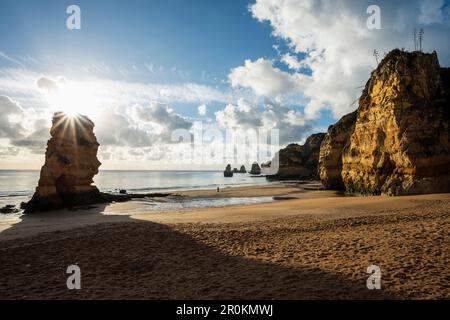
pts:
[36, 141]
[239, 115]
[8, 152]
[292, 125]
[50, 85]
[291, 61]
[10, 118]
[264, 79]
[21, 128]
[163, 118]
[117, 129]
[338, 47]
[138, 126]
[202, 109]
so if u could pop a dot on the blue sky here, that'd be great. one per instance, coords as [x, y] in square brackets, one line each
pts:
[199, 41]
[196, 37]
[141, 68]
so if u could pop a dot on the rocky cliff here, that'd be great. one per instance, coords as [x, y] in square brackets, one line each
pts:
[70, 165]
[298, 162]
[400, 143]
[330, 158]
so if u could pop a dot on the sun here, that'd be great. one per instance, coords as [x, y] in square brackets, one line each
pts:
[73, 98]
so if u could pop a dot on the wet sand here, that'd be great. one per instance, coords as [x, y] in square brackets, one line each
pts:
[317, 245]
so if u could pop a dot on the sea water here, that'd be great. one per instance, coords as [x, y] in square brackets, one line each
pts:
[17, 186]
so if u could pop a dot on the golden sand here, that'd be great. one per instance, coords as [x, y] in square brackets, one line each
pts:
[316, 246]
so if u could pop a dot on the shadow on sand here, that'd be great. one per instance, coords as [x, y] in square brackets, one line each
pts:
[121, 258]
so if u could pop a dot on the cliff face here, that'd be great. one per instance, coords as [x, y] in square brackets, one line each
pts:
[298, 162]
[70, 165]
[330, 158]
[400, 143]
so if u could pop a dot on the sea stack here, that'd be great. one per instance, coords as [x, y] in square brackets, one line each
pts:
[70, 165]
[298, 162]
[256, 169]
[242, 169]
[228, 173]
[399, 143]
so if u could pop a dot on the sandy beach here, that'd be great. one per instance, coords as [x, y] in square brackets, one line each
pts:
[310, 244]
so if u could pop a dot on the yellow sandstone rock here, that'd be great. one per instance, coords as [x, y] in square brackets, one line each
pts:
[400, 143]
[70, 165]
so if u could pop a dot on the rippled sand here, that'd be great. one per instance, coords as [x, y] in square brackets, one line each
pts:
[317, 246]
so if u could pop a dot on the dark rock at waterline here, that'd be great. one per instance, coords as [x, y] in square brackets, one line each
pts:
[284, 198]
[256, 169]
[8, 209]
[78, 199]
[228, 173]
[81, 200]
[149, 195]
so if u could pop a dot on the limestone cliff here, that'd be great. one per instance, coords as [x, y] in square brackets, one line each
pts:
[298, 162]
[400, 143]
[70, 165]
[330, 159]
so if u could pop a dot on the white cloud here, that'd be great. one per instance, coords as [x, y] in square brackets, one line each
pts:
[264, 79]
[119, 130]
[8, 152]
[138, 126]
[339, 47]
[10, 118]
[29, 84]
[36, 140]
[202, 109]
[291, 61]
[48, 84]
[292, 125]
[21, 128]
[242, 114]
[161, 117]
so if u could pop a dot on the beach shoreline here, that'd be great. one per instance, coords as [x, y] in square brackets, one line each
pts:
[140, 208]
[314, 244]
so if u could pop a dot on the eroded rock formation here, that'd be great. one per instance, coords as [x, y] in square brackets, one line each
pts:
[298, 162]
[400, 143]
[256, 169]
[228, 173]
[70, 165]
[330, 159]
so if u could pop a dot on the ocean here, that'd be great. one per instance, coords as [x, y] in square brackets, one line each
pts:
[17, 186]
